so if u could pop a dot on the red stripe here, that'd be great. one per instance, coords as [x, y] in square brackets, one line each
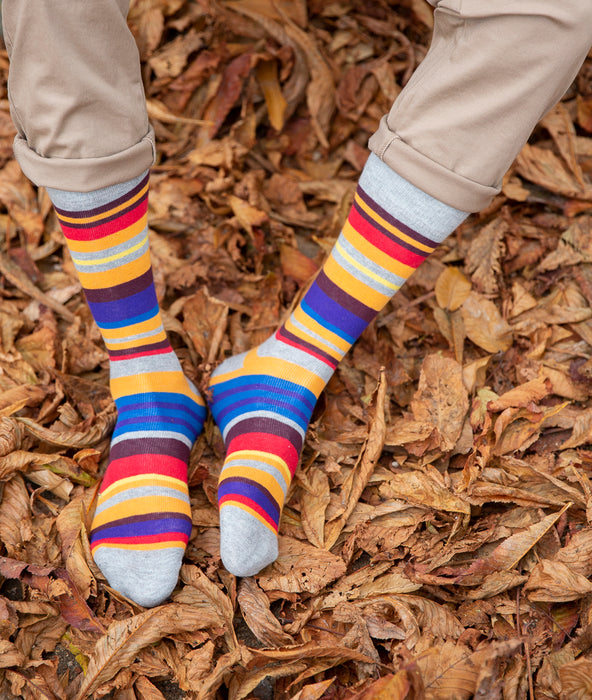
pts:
[237, 498]
[116, 358]
[272, 444]
[102, 230]
[280, 336]
[142, 539]
[383, 242]
[140, 465]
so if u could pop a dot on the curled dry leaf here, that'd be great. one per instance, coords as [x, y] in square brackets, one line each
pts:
[576, 679]
[554, 582]
[125, 638]
[423, 490]
[102, 425]
[254, 605]
[522, 395]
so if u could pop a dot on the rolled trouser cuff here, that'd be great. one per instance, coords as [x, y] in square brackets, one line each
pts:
[85, 174]
[429, 176]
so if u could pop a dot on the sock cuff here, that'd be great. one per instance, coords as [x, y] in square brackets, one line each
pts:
[423, 213]
[77, 201]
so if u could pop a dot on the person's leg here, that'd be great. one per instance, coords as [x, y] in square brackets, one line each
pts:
[78, 103]
[262, 400]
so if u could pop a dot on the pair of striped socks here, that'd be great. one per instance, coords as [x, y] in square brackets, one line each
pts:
[262, 400]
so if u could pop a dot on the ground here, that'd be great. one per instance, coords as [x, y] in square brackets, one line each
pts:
[436, 541]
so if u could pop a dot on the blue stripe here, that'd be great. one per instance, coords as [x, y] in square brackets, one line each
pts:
[266, 385]
[166, 410]
[154, 397]
[149, 426]
[118, 310]
[279, 408]
[335, 311]
[130, 321]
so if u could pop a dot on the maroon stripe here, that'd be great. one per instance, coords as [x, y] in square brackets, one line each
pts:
[329, 359]
[120, 291]
[153, 446]
[395, 222]
[265, 425]
[141, 519]
[344, 299]
[105, 207]
[161, 345]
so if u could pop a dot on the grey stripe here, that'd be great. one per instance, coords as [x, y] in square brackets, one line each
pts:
[361, 276]
[428, 216]
[137, 336]
[148, 433]
[287, 353]
[377, 269]
[80, 201]
[141, 492]
[262, 466]
[263, 415]
[145, 365]
[314, 336]
[106, 267]
[231, 364]
[113, 250]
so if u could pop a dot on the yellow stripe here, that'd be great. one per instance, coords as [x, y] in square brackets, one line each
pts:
[174, 382]
[354, 287]
[274, 368]
[109, 241]
[261, 477]
[393, 229]
[265, 457]
[142, 506]
[373, 253]
[151, 324]
[365, 270]
[302, 317]
[118, 275]
[105, 214]
[315, 341]
[110, 258]
[131, 482]
[173, 544]
[250, 511]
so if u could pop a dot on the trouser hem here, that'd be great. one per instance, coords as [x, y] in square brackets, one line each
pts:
[429, 176]
[85, 174]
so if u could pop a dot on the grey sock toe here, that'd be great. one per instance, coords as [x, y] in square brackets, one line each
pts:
[146, 577]
[246, 545]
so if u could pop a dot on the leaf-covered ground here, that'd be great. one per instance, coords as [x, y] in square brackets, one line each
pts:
[437, 541]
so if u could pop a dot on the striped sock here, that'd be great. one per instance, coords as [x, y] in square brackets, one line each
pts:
[263, 399]
[143, 521]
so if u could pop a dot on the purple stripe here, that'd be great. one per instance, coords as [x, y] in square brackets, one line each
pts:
[119, 310]
[120, 291]
[140, 349]
[284, 333]
[391, 220]
[105, 207]
[149, 524]
[151, 446]
[173, 422]
[96, 224]
[344, 300]
[253, 490]
[267, 425]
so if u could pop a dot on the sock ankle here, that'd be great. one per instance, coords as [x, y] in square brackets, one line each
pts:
[263, 399]
[142, 521]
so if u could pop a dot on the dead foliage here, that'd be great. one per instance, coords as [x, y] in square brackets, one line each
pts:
[437, 541]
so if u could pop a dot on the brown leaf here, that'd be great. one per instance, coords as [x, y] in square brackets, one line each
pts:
[483, 257]
[559, 124]
[267, 77]
[576, 679]
[521, 396]
[301, 567]
[452, 288]
[313, 691]
[424, 490]
[254, 605]
[544, 168]
[484, 324]
[145, 690]
[554, 582]
[508, 554]
[313, 505]
[125, 638]
[204, 319]
[441, 399]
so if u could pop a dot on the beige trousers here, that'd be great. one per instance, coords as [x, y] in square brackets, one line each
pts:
[494, 68]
